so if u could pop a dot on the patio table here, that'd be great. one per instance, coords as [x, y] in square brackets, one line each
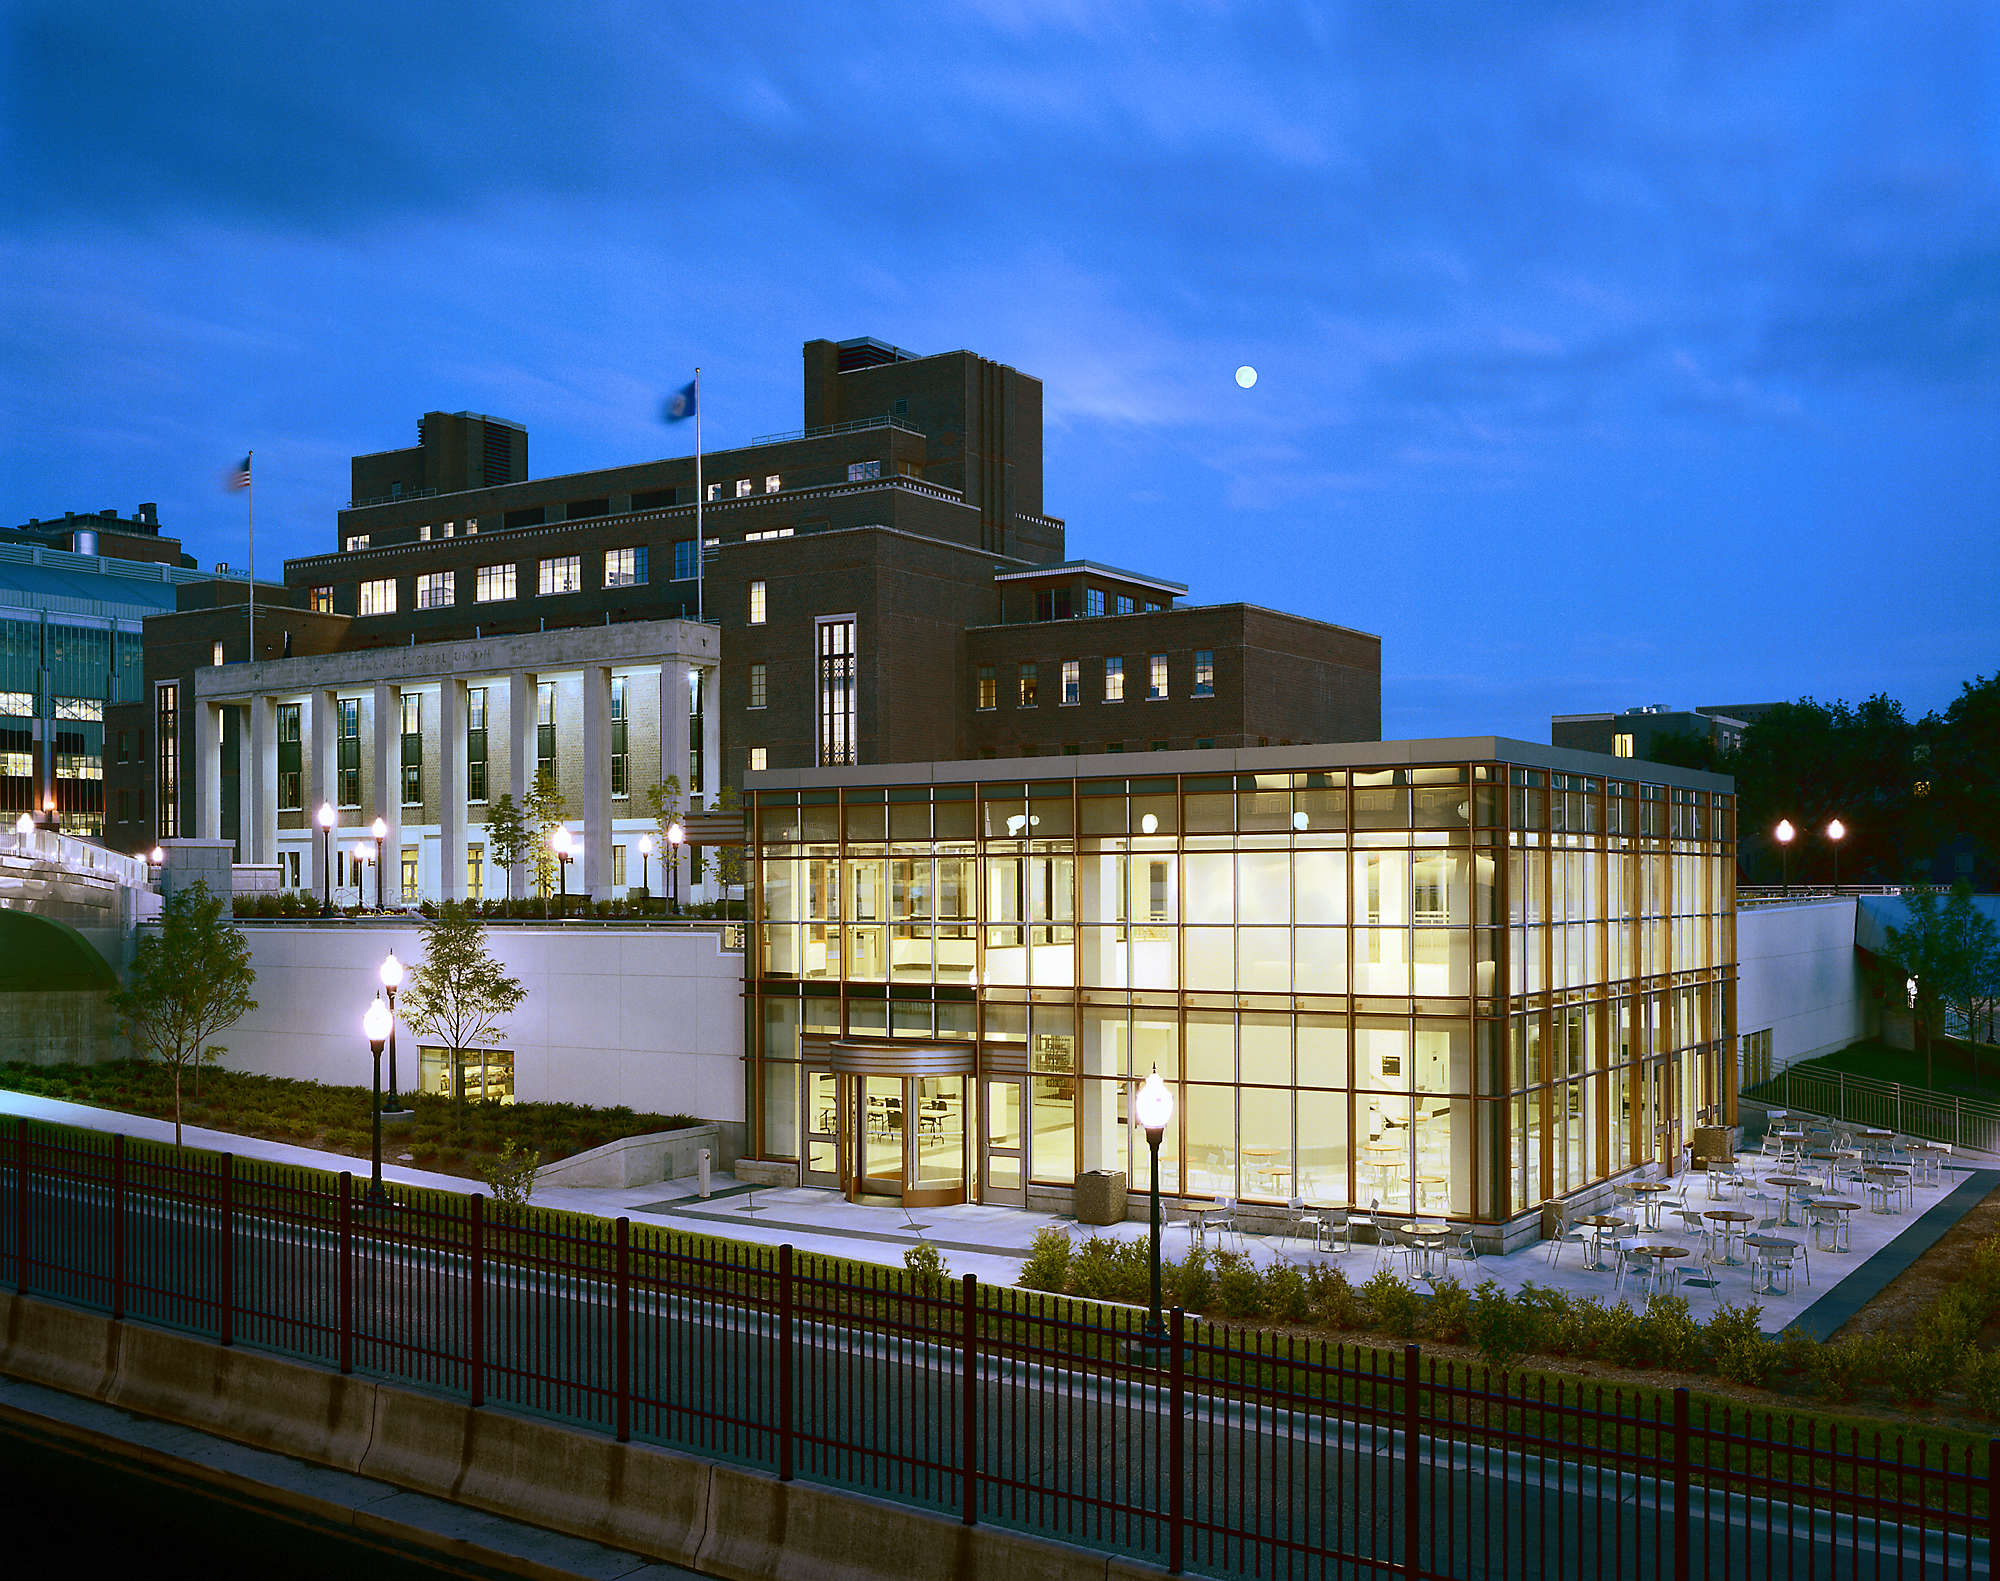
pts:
[1649, 1193]
[1891, 1181]
[1730, 1222]
[1427, 1238]
[1658, 1253]
[1791, 1183]
[1599, 1224]
[1842, 1240]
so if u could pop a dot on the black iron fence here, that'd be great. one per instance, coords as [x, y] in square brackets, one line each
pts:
[1219, 1450]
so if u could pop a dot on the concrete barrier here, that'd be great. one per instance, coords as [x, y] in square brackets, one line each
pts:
[75, 1352]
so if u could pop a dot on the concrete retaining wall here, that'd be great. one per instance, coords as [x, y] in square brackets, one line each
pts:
[720, 1520]
[642, 1160]
[1799, 978]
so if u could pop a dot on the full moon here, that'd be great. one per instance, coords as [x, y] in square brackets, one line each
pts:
[1246, 376]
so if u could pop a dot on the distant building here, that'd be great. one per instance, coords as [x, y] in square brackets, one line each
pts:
[1631, 734]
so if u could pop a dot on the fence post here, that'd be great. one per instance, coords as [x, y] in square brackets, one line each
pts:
[1410, 1527]
[622, 1364]
[118, 1226]
[1842, 1077]
[785, 1362]
[1992, 1501]
[21, 1205]
[346, 1260]
[228, 1260]
[968, 1410]
[1681, 1485]
[475, 1340]
[1176, 1447]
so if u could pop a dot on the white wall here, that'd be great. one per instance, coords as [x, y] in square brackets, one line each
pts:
[651, 1018]
[1800, 978]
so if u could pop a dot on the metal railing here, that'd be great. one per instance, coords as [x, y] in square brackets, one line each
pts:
[1890, 1105]
[1216, 1449]
[45, 845]
[389, 499]
[852, 426]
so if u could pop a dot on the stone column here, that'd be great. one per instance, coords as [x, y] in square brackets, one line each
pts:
[520, 757]
[207, 776]
[322, 777]
[597, 781]
[388, 787]
[675, 758]
[261, 800]
[711, 734]
[451, 788]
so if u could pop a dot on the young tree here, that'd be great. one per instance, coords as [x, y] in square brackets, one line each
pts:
[542, 814]
[728, 858]
[1971, 977]
[663, 801]
[1948, 958]
[189, 981]
[457, 993]
[507, 837]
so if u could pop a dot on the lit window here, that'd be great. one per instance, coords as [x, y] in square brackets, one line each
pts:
[451, 529]
[436, 589]
[624, 567]
[1124, 604]
[424, 535]
[684, 562]
[772, 483]
[838, 666]
[1204, 672]
[1621, 746]
[471, 525]
[1027, 684]
[989, 687]
[495, 584]
[1114, 680]
[863, 471]
[322, 601]
[410, 872]
[766, 534]
[379, 598]
[618, 865]
[1093, 601]
[563, 574]
[1072, 682]
[714, 492]
[475, 872]
[215, 654]
[759, 684]
[758, 758]
[357, 540]
[1156, 687]
[756, 603]
[743, 487]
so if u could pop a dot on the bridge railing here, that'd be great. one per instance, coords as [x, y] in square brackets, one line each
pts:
[47, 846]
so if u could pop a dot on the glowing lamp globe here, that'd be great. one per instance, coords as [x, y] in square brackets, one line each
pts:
[159, 857]
[675, 834]
[645, 845]
[326, 815]
[1153, 1104]
[375, 1024]
[561, 842]
[392, 972]
[379, 829]
[1836, 830]
[24, 826]
[1785, 831]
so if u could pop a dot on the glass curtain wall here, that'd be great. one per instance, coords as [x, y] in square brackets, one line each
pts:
[1457, 988]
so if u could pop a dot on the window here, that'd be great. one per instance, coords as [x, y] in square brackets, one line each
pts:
[124, 746]
[322, 601]
[757, 760]
[412, 748]
[836, 689]
[618, 786]
[863, 471]
[714, 492]
[684, 561]
[1156, 687]
[1204, 743]
[1621, 745]
[347, 757]
[1159, 746]
[410, 890]
[357, 540]
[545, 728]
[424, 533]
[475, 743]
[1114, 680]
[475, 873]
[756, 603]
[1026, 682]
[759, 685]
[618, 865]
[772, 483]
[1124, 604]
[1093, 601]
[743, 487]
[215, 653]
[1072, 682]
[563, 574]
[767, 534]
[1204, 672]
[624, 567]
[124, 807]
[989, 687]
[290, 797]
[494, 584]
[436, 589]
[379, 598]
[166, 738]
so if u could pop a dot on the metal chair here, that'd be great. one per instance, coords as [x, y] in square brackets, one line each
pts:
[1566, 1234]
[1388, 1249]
[1830, 1228]
[1300, 1217]
[1459, 1246]
[1705, 1274]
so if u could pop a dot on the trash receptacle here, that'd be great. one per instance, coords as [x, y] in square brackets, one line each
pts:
[1711, 1148]
[1100, 1196]
[702, 1161]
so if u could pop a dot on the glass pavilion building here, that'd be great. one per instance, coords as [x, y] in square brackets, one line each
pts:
[1460, 977]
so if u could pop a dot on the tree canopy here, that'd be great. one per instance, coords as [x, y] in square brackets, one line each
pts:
[457, 994]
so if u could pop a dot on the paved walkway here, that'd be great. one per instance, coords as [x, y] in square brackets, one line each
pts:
[992, 1242]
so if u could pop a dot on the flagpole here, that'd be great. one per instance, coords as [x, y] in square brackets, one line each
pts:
[699, 547]
[250, 522]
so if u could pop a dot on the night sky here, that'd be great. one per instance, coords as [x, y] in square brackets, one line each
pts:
[1603, 358]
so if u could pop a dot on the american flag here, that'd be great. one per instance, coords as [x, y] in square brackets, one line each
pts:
[239, 475]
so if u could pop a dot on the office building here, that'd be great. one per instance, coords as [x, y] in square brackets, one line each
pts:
[1637, 732]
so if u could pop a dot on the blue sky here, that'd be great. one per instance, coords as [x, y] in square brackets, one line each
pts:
[1607, 354]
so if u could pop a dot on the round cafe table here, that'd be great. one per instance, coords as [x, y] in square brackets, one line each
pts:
[1658, 1254]
[1791, 1183]
[1890, 1180]
[1842, 1238]
[1730, 1222]
[1427, 1238]
[1599, 1224]
[1648, 1193]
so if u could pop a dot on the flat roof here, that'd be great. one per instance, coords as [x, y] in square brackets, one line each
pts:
[1250, 760]
[1071, 567]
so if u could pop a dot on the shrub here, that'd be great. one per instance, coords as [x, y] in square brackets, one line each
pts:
[1980, 1379]
[928, 1270]
[1502, 1328]
[512, 1175]
[1923, 1366]
[1553, 1317]
[1669, 1333]
[1239, 1287]
[1090, 1269]
[1450, 1311]
[1392, 1306]
[1285, 1292]
[1190, 1285]
[1840, 1366]
[1333, 1301]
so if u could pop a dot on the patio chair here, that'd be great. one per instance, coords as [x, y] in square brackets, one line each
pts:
[1301, 1218]
[1703, 1273]
[1829, 1227]
[1626, 1260]
[1459, 1247]
[1359, 1220]
[1567, 1234]
[1772, 1266]
[1390, 1249]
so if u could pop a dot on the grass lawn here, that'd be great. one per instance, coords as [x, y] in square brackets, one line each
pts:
[443, 1137]
[1950, 1070]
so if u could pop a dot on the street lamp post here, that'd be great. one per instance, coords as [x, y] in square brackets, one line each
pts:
[392, 979]
[158, 858]
[1785, 832]
[1153, 1112]
[646, 868]
[326, 817]
[360, 855]
[376, 1024]
[675, 836]
[380, 830]
[563, 843]
[24, 829]
[1835, 833]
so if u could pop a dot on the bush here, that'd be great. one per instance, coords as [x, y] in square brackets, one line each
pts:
[1553, 1317]
[1450, 1313]
[1239, 1287]
[1922, 1367]
[1980, 1378]
[1332, 1299]
[1093, 1271]
[1392, 1306]
[928, 1270]
[1285, 1292]
[1191, 1284]
[1668, 1333]
[512, 1175]
[1840, 1366]
[1502, 1328]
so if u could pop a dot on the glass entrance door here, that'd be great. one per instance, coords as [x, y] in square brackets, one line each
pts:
[822, 1129]
[882, 1135]
[1003, 1164]
[909, 1136]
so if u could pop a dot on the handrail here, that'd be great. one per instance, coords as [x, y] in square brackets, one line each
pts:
[1892, 1105]
[68, 851]
[852, 426]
